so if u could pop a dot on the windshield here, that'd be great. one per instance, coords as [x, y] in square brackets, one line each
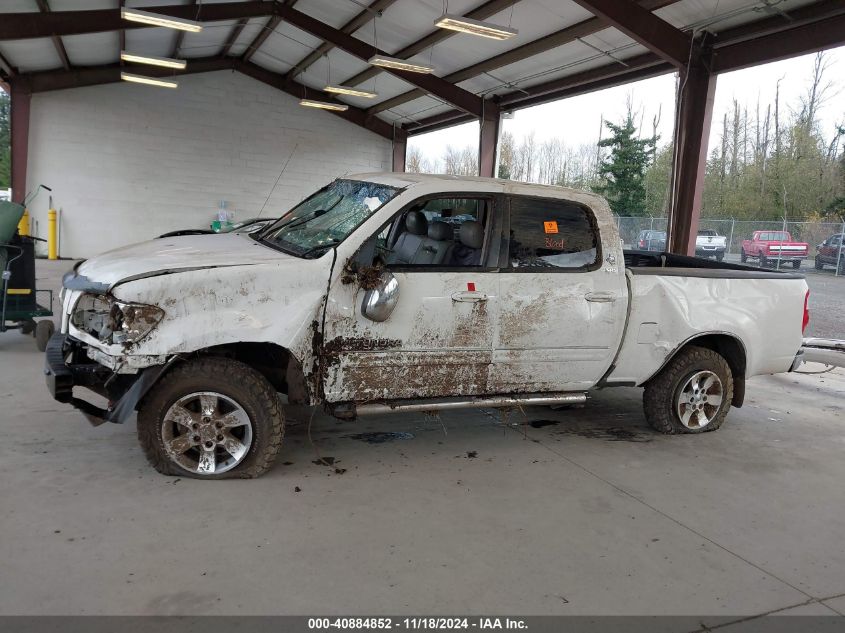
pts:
[328, 217]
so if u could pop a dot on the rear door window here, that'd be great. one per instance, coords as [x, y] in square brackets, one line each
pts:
[548, 233]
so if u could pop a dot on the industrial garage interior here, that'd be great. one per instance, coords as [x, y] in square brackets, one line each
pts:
[162, 121]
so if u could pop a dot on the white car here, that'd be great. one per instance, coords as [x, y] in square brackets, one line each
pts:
[708, 243]
[361, 300]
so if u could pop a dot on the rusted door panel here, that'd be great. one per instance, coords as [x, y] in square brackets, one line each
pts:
[557, 330]
[432, 345]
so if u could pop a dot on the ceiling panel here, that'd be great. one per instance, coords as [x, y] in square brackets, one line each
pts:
[92, 50]
[335, 13]
[31, 55]
[207, 42]
[154, 41]
[248, 34]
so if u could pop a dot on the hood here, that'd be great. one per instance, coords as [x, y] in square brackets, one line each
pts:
[170, 254]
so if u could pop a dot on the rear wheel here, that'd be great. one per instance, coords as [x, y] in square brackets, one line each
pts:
[764, 261]
[818, 263]
[720, 257]
[211, 418]
[796, 264]
[692, 394]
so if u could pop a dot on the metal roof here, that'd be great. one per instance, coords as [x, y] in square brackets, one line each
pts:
[563, 46]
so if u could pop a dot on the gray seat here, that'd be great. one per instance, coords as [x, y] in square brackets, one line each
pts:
[468, 251]
[437, 247]
[410, 241]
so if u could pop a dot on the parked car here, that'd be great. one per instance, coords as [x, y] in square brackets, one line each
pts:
[770, 248]
[358, 302]
[651, 241]
[828, 253]
[247, 226]
[708, 243]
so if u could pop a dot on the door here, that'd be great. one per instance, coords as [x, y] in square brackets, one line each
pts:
[830, 250]
[562, 299]
[438, 340]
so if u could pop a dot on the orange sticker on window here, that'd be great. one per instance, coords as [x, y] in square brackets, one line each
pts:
[550, 227]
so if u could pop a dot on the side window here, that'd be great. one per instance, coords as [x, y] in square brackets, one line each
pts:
[550, 233]
[444, 232]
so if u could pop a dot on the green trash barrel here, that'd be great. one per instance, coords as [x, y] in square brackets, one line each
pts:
[10, 214]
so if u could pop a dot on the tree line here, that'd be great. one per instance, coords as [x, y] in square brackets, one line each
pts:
[772, 161]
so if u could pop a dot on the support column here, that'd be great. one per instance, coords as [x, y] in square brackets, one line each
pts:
[488, 139]
[697, 88]
[20, 101]
[400, 148]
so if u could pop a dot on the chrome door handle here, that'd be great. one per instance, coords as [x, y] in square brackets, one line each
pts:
[469, 297]
[600, 297]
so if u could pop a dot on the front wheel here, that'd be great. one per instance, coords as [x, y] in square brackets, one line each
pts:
[692, 394]
[796, 264]
[43, 331]
[742, 256]
[818, 263]
[211, 418]
[720, 257]
[764, 261]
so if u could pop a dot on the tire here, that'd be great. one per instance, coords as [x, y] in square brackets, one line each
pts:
[818, 263]
[796, 264]
[28, 327]
[43, 331]
[664, 395]
[243, 411]
[720, 257]
[764, 261]
[842, 266]
[742, 256]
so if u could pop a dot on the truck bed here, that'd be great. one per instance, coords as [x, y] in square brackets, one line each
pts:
[651, 263]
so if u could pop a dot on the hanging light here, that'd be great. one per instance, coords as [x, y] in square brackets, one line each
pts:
[164, 62]
[475, 27]
[352, 92]
[398, 64]
[155, 19]
[323, 105]
[150, 81]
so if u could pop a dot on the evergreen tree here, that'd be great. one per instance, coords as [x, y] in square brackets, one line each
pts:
[623, 171]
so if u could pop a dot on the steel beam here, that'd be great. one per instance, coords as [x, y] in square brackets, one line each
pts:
[482, 12]
[436, 86]
[349, 28]
[180, 35]
[400, 149]
[262, 36]
[803, 39]
[17, 26]
[20, 101]
[353, 114]
[234, 34]
[6, 69]
[696, 90]
[44, 7]
[643, 26]
[488, 139]
[121, 35]
[536, 47]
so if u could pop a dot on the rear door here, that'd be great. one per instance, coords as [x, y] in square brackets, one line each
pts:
[438, 341]
[562, 299]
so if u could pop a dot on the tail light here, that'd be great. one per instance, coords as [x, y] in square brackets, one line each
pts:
[806, 320]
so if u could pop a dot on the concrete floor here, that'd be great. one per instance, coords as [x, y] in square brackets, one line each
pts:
[583, 511]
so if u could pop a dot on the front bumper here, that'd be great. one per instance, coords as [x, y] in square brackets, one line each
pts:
[67, 366]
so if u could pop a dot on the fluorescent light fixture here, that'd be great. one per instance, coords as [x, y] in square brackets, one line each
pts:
[323, 105]
[164, 62]
[352, 92]
[398, 64]
[150, 81]
[155, 19]
[474, 27]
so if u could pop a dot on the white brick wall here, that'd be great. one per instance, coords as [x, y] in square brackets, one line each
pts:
[129, 162]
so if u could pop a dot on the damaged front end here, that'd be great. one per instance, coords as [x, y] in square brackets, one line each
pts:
[104, 367]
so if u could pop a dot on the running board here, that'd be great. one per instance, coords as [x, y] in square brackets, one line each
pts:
[448, 404]
[824, 350]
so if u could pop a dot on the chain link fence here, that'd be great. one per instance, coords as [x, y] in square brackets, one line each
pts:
[826, 240]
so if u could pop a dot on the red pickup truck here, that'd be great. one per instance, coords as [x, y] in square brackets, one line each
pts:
[767, 247]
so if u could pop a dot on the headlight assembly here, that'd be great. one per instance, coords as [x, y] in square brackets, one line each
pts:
[112, 321]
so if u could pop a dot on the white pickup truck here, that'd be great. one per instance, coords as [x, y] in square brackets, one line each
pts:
[708, 243]
[390, 292]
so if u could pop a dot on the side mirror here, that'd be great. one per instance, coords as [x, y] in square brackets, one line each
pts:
[379, 302]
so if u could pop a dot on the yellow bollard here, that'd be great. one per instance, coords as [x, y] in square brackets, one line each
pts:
[23, 225]
[52, 250]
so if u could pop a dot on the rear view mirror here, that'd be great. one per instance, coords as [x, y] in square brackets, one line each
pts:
[379, 301]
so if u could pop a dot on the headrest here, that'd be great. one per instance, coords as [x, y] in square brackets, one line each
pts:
[471, 234]
[416, 223]
[440, 231]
